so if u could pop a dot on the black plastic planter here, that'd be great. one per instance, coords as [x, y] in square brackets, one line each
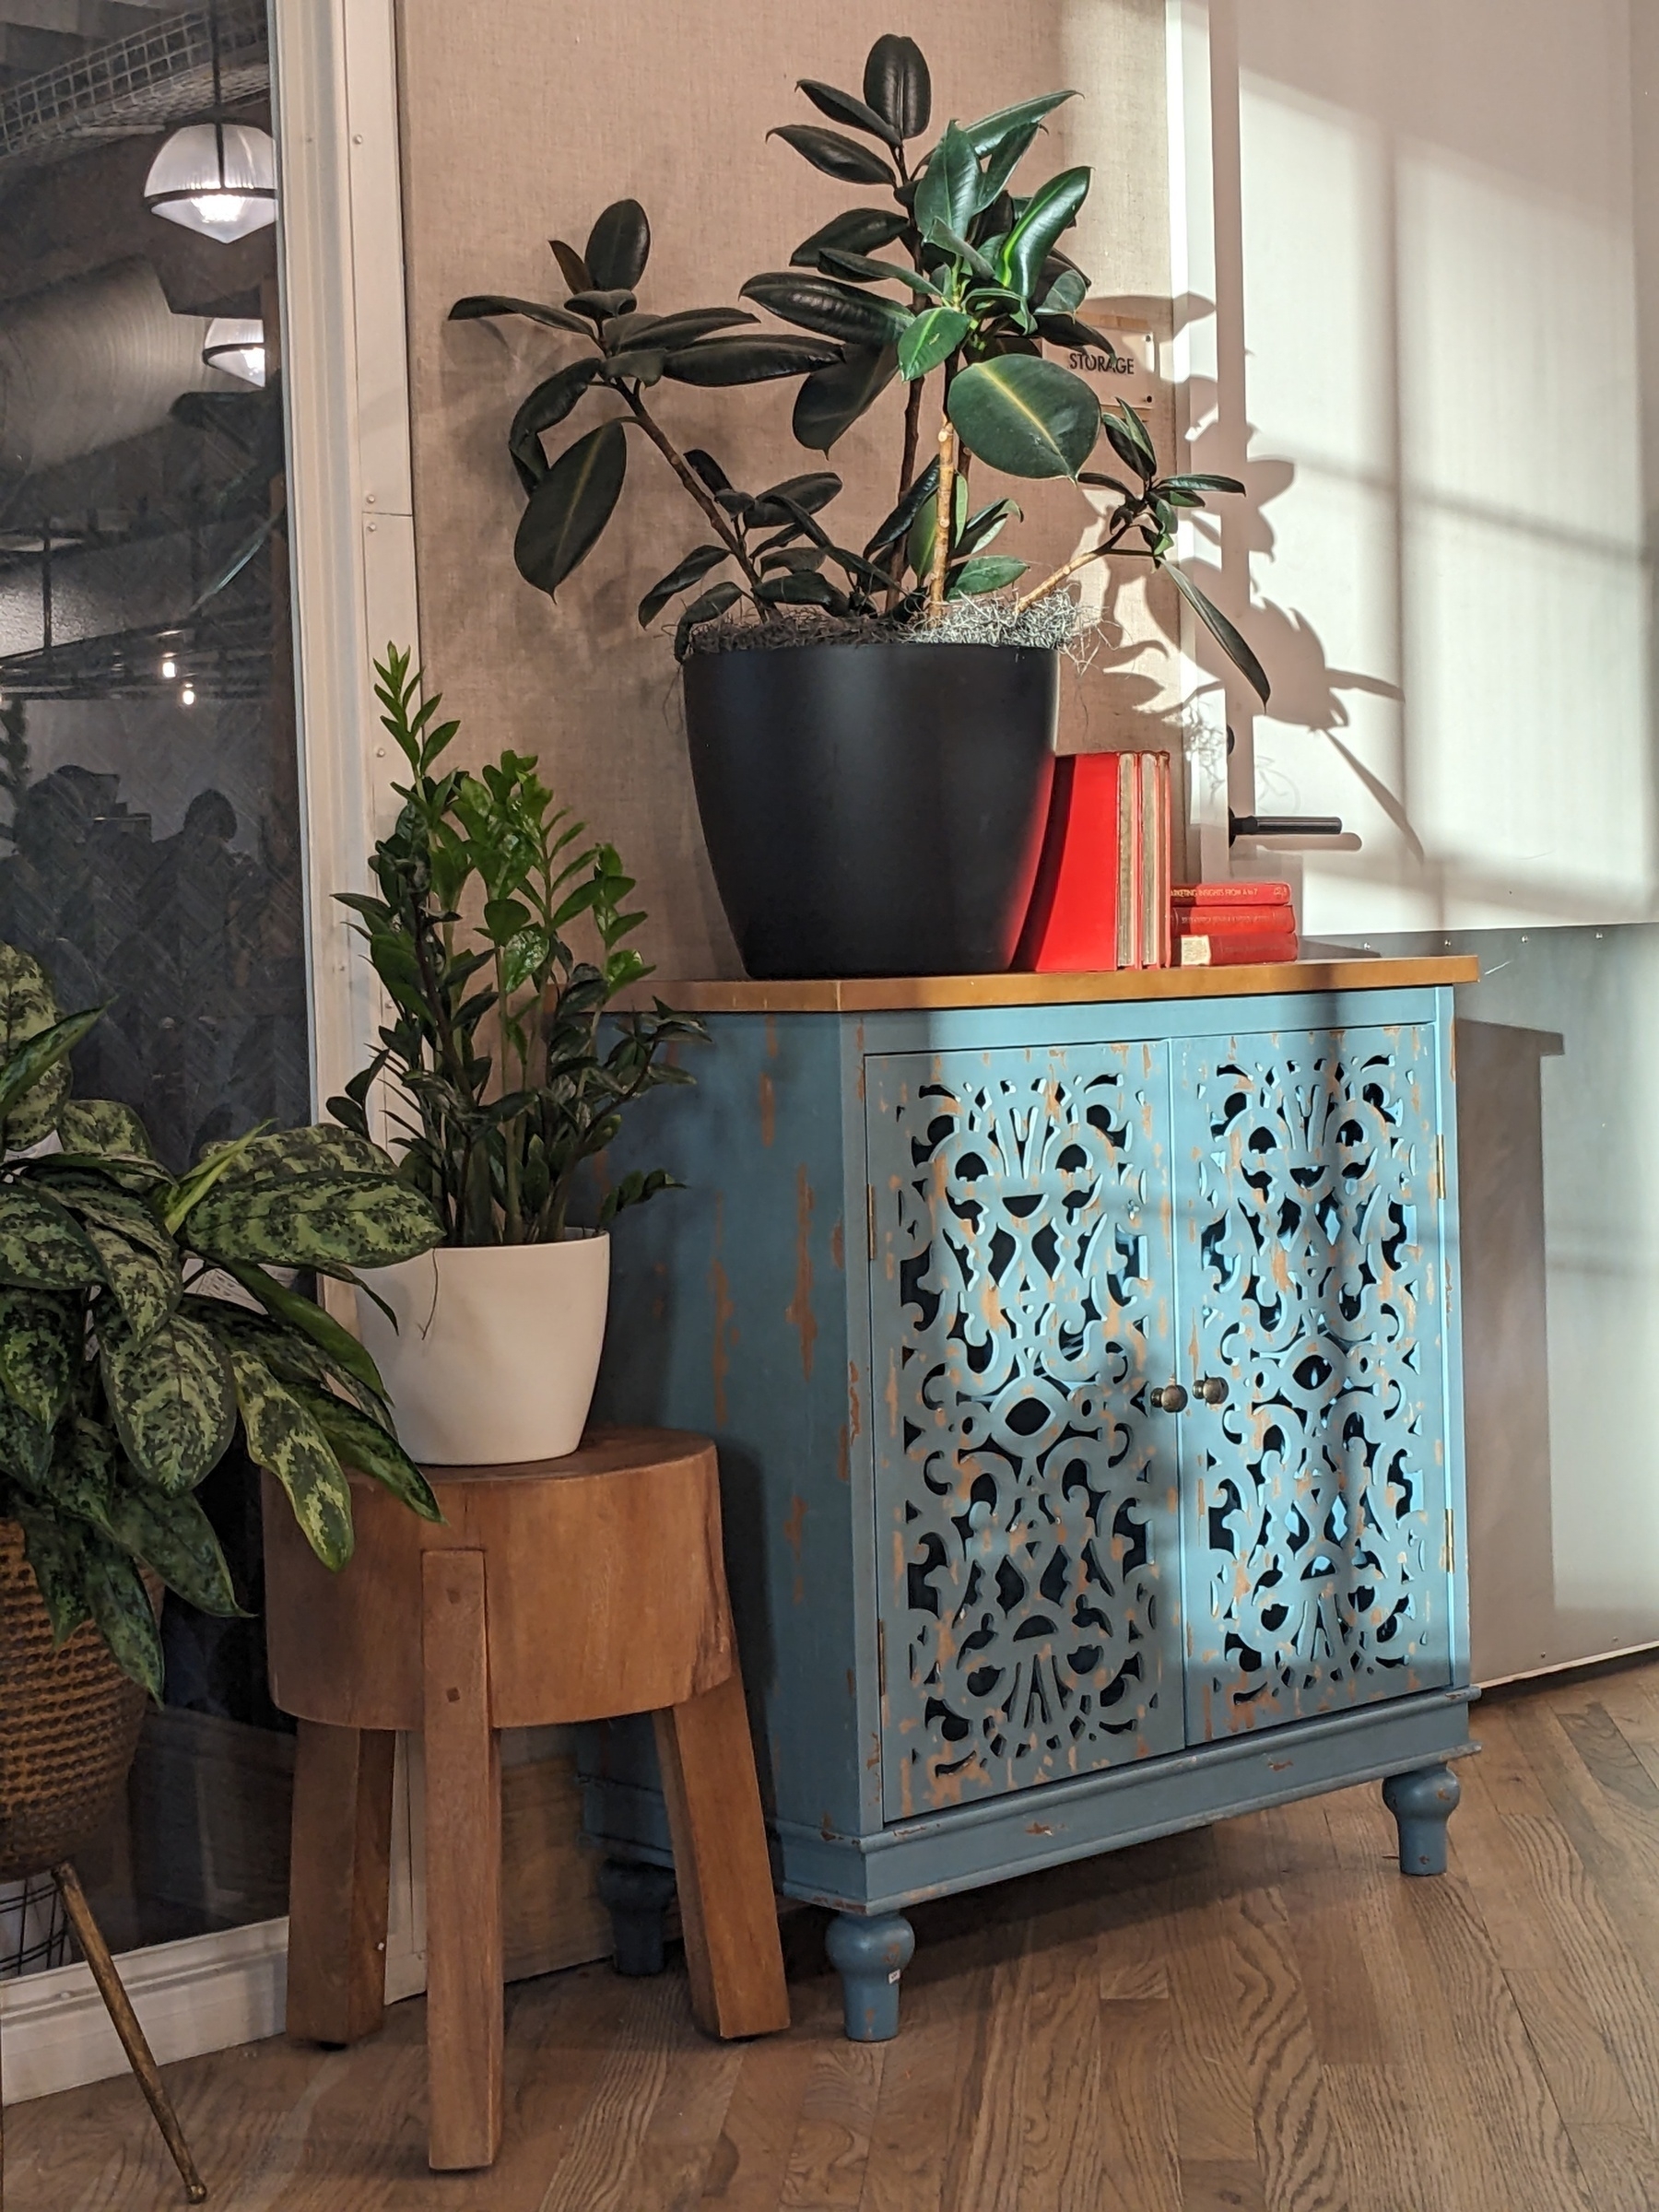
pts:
[873, 809]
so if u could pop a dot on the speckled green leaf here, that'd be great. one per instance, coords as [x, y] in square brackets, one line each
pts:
[283, 1154]
[365, 1445]
[172, 1398]
[41, 1246]
[27, 1007]
[283, 1438]
[175, 1537]
[290, 1357]
[41, 1347]
[95, 1126]
[145, 1290]
[25, 1448]
[120, 1605]
[315, 1222]
[34, 1081]
[296, 1313]
[58, 1556]
[84, 1472]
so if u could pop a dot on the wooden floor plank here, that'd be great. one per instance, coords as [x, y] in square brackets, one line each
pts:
[1263, 2017]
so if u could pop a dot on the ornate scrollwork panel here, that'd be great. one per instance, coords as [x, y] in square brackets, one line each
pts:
[1310, 1282]
[1022, 1290]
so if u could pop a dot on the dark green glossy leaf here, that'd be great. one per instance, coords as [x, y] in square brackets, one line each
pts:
[1051, 210]
[846, 107]
[1077, 338]
[619, 247]
[802, 588]
[1197, 483]
[634, 1188]
[719, 361]
[551, 402]
[890, 531]
[323, 1220]
[42, 1346]
[57, 1554]
[1026, 415]
[284, 1440]
[834, 310]
[41, 1246]
[1224, 632]
[896, 84]
[855, 231]
[919, 549]
[833, 398]
[670, 333]
[1001, 161]
[1066, 294]
[120, 1608]
[980, 529]
[835, 155]
[363, 1444]
[708, 469]
[794, 496]
[949, 190]
[483, 304]
[600, 307]
[572, 267]
[961, 249]
[639, 364]
[990, 130]
[690, 570]
[1127, 436]
[712, 603]
[984, 572]
[571, 506]
[933, 337]
[91, 1126]
[169, 1394]
[863, 270]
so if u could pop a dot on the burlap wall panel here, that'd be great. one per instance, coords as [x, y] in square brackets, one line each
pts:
[522, 119]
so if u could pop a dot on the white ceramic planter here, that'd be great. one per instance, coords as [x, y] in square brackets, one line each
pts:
[497, 1347]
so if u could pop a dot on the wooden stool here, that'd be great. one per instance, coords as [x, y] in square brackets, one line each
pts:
[574, 1589]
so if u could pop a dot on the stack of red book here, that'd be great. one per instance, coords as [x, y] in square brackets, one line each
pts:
[1232, 925]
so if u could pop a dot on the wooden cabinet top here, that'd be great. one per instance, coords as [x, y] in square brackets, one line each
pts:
[901, 993]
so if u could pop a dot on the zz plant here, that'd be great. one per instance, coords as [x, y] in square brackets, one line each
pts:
[980, 284]
[500, 1161]
[145, 1318]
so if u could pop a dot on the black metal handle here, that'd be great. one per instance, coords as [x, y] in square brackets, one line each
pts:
[1282, 825]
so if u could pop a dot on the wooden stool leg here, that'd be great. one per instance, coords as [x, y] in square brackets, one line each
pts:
[727, 1912]
[464, 2005]
[125, 2022]
[339, 1881]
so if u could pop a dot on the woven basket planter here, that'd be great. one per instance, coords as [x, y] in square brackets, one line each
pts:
[69, 1723]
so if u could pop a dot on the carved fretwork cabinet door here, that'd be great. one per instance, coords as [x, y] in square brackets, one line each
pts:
[1021, 1310]
[1311, 1283]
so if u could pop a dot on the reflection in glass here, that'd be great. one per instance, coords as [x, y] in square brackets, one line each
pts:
[149, 812]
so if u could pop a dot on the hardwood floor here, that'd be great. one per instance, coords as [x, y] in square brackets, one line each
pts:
[1260, 2017]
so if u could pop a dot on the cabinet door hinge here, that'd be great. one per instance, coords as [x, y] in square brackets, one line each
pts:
[1450, 1560]
[881, 1658]
[870, 1217]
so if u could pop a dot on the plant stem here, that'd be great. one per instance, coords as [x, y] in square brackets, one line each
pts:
[696, 487]
[913, 433]
[1078, 560]
[944, 515]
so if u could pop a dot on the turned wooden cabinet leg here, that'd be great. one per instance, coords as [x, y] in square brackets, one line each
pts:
[727, 1913]
[463, 1867]
[339, 1880]
[1422, 1803]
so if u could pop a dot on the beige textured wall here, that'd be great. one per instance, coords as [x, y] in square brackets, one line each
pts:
[522, 119]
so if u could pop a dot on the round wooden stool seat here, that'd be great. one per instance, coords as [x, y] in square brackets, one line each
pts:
[576, 1589]
[607, 1591]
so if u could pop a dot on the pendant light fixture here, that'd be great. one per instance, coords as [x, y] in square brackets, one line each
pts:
[237, 345]
[215, 177]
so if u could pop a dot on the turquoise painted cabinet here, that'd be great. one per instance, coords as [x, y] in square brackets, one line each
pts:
[1084, 1381]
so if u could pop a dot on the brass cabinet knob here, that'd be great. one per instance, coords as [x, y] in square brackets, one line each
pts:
[1172, 1398]
[1211, 1389]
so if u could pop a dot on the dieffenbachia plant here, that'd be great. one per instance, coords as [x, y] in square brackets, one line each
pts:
[126, 1369]
[980, 286]
[498, 1152]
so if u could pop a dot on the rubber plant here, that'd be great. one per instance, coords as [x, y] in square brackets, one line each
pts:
[144, 1318]
[498, 1158]
[979, 287]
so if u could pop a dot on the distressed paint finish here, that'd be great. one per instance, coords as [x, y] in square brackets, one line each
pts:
[1025, 1514]
[1315, 1498]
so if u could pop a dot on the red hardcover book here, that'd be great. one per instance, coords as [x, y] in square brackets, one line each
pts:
[1200, 921]
[1070, 925]
[1243, 947]
[1229, 892]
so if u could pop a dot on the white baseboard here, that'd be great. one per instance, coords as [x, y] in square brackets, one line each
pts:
[202, 1994]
